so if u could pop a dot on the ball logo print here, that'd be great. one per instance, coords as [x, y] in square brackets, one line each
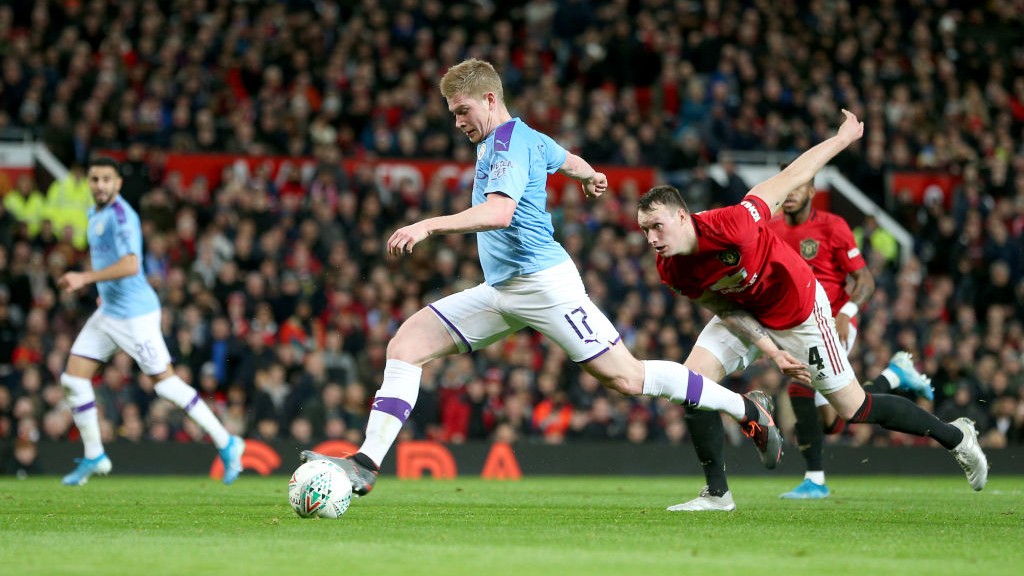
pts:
[314, 500]
[319, 489]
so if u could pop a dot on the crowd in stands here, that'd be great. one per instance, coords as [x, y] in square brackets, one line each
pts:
[279, 302]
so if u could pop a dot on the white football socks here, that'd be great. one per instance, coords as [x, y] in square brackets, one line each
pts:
[83, 409]
[186, 397]
[676, 382]
[392, 405]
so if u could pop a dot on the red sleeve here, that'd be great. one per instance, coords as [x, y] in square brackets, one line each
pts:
[739, 222]
[847, 253]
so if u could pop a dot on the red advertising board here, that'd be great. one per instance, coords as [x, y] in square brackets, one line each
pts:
[389, 172]
[921, 184]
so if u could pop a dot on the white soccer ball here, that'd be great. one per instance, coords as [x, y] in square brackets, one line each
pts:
[319, 488]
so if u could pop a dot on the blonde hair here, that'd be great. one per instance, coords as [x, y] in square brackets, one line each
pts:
[472, 78]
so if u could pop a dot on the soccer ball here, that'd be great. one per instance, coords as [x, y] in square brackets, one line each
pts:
[319, 488]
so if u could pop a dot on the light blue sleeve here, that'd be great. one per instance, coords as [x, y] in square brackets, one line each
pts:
[554, 154]
[128, 236]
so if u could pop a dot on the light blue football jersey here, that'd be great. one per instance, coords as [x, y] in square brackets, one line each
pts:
[114, 232]
[515, 160]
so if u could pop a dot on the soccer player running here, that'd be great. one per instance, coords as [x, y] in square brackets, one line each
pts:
[128, 318]
[826, 243]
[529, 280]
[766, 301]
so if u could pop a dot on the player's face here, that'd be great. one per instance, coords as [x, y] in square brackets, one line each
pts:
[104, 183]
[665, 229]
[798, 199]
[473, 116]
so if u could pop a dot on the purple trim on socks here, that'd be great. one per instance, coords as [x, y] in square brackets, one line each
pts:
[192, 403]
[694, 388]
[394, 406]
[84, 407]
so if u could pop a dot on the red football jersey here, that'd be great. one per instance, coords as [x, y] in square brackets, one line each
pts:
[739, 257]
[826, 243]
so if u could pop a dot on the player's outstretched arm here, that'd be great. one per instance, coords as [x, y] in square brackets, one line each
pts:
[493, 214]
[747, 328]
[594, 183]
[127, 265]
[775, 189]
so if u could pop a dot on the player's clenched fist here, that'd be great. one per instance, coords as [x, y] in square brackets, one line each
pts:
[595, 186]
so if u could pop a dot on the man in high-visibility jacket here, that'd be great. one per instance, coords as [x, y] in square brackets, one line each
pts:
[68, 202]
[27, 204]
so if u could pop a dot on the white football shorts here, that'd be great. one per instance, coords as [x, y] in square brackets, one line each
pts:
[814, 342]
[553, 302]
[140, 337]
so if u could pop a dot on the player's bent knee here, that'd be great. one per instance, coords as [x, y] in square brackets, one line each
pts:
[847, 400]
[622, 385]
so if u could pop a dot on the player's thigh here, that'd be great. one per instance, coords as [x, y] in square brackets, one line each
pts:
[816, 343]
[825, 409]
[82, 367]
[472, 318]
[140, 337]
[847, 400]
[617, 369]
[718, 349]
[422, 338]
[557, 305]
[94, 344]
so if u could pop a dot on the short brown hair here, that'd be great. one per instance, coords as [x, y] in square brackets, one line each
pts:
[664, 195]
[472, 78]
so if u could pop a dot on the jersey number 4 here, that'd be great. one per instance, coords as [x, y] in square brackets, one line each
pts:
[814, 358]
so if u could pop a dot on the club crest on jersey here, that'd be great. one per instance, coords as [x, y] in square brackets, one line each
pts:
[730, 257]
[481, 150]
[808, 248]
[98, 229]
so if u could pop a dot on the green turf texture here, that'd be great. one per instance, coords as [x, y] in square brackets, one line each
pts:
[563, 526]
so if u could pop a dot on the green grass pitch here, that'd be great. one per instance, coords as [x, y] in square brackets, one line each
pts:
[552, 525]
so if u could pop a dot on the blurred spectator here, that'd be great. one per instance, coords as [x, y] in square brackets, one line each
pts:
[259, 258]
[23, 459]
[26, 205]
[68, 202]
